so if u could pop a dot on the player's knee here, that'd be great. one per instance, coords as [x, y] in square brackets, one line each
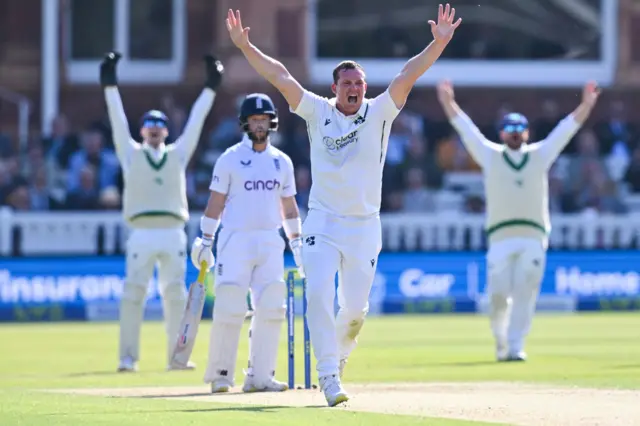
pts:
[532, 264]
[174, 291]
[134, 291]
[271, 305]
[354, 319]
[230, 305]
[499, 278]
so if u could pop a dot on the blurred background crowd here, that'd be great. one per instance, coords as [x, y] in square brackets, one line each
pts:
[427, 167]
[73, 166]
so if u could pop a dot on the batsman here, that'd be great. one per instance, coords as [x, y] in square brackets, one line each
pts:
[517, 223]
[155, 207]
[252, 195]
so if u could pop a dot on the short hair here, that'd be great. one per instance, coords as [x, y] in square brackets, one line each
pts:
[345, 65]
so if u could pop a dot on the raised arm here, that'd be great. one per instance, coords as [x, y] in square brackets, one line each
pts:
[442, 32]
[560, 136]
[272, 70]
[187, 142]
[473, 139]
[122, 139]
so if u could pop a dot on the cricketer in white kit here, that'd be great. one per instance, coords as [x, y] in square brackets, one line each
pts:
[342, 233]
[517, 221]
[154, 207]
[252, 195]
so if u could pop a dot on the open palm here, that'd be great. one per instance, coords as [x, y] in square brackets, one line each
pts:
[239, 34]
[444, 29]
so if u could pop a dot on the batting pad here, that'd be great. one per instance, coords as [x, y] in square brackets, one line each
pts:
[265, 331]
[228, 315]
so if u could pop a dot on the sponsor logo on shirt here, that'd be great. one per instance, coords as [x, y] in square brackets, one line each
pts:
[262, 185]
[334, 145]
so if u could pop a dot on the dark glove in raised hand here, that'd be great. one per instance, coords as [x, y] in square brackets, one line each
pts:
[108, 69]
[214, 72]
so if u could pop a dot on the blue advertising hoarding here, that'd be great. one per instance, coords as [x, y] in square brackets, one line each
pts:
[80, 288]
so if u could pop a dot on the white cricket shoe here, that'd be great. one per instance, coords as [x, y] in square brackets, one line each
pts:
[519, 356]
[127, 365]
[190, 366]
[220, 386]
[271, 385]
[502, 352]
[333, 391]
[343, 362]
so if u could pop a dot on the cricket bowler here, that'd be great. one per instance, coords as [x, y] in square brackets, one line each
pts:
[154, 207]
[252, 195]
[517, 219]
[348, 135]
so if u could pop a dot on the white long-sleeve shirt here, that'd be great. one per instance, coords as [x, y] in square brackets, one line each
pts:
[515, 181]
[154, 179]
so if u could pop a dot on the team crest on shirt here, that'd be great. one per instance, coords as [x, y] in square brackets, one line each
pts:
[276, 163]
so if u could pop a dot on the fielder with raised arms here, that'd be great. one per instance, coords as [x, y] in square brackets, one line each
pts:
[252, 195]
[517, 222]
[155, 207]
[342, 233]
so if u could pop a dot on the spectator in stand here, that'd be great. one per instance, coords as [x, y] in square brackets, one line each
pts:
[416, 157]
[632, 174]
[93, 154]
[617, 132]
[17, 196]
[86, 195]
[417, 198]
[303, 187]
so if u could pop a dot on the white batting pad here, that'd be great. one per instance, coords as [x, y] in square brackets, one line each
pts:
[229, 309]
[266, 325]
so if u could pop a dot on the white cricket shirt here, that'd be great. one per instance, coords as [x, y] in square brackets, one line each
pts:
[254, 183]
[347, 153]
[515, 181]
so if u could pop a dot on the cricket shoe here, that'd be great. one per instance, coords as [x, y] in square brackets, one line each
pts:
[175, 367]
[270, 385]
[514, 357]
[502, 351]
[343, 362]
[220, 386]
[333, 391]
[127, 365]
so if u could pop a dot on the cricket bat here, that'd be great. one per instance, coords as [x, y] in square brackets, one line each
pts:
[190, 321]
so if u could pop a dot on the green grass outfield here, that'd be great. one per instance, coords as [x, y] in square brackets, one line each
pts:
[600, 350]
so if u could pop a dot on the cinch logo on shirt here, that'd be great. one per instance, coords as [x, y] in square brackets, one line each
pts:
[337, 144]
[262, 185]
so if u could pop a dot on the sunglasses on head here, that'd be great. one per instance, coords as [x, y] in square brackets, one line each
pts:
[515, 128]
[154, 123]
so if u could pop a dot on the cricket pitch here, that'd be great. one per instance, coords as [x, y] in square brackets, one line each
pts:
[507, 403]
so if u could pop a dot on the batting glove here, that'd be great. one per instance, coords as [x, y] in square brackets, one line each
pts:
[296, 248]
[215, 70]
[108, 69]
[201, 250]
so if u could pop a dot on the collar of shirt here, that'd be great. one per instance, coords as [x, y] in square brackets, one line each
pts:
[249, 143]
[156, 152]
[360, 112]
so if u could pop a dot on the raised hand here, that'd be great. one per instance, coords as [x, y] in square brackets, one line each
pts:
[445, 91]
[215, 70]
[239, 34]
[590, 93]
[444, 29]
[108, 69]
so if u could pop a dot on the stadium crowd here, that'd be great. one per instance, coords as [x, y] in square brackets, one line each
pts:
[427, 168]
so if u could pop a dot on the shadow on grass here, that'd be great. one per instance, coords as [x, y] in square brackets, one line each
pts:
[250, 409]
[463, 364]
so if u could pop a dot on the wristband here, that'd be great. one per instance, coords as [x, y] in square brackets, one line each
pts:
[292, 226]
[208, 226]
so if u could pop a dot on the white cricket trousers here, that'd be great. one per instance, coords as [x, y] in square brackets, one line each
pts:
[350, 247]
[515, 268]
[148, 248]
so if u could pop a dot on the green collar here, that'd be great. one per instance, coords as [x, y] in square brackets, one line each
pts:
[152, 162]
[514, 166]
